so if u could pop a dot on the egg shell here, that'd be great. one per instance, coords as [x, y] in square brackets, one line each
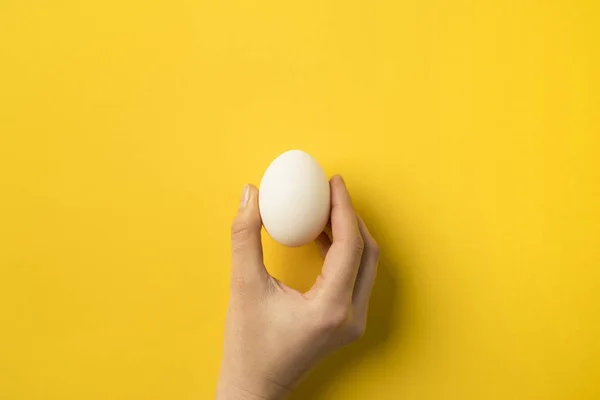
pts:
[294, 199]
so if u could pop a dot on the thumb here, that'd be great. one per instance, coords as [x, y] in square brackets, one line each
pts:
[246, 246]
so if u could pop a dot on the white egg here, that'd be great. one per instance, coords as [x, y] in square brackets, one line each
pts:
[294, 199]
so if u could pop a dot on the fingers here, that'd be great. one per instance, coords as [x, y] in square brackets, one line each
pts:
[343, 258]
[247, 255]
[366, 274]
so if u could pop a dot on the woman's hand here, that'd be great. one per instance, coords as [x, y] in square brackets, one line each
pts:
[275, 334]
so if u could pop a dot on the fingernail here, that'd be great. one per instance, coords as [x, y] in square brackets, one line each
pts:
[245, 196]
[342, 179]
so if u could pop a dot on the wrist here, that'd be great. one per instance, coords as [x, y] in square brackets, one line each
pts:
[230, 393]
[233, 389]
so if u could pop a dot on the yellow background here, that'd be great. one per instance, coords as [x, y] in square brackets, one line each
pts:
[468, 133]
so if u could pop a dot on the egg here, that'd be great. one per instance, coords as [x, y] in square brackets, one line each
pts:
[294, 199]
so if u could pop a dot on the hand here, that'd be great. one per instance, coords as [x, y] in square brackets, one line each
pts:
[275, 334]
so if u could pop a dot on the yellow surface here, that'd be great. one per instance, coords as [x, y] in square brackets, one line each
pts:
[468, 132]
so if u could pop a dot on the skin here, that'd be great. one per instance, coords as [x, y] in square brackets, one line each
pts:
[274, 334]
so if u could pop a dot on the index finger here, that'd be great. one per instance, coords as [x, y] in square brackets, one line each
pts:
[343, 258]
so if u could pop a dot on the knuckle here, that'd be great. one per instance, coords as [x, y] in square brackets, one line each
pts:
[376, 250]
[240, 230]
[333, 318]
[357, 244]
[356, 331]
